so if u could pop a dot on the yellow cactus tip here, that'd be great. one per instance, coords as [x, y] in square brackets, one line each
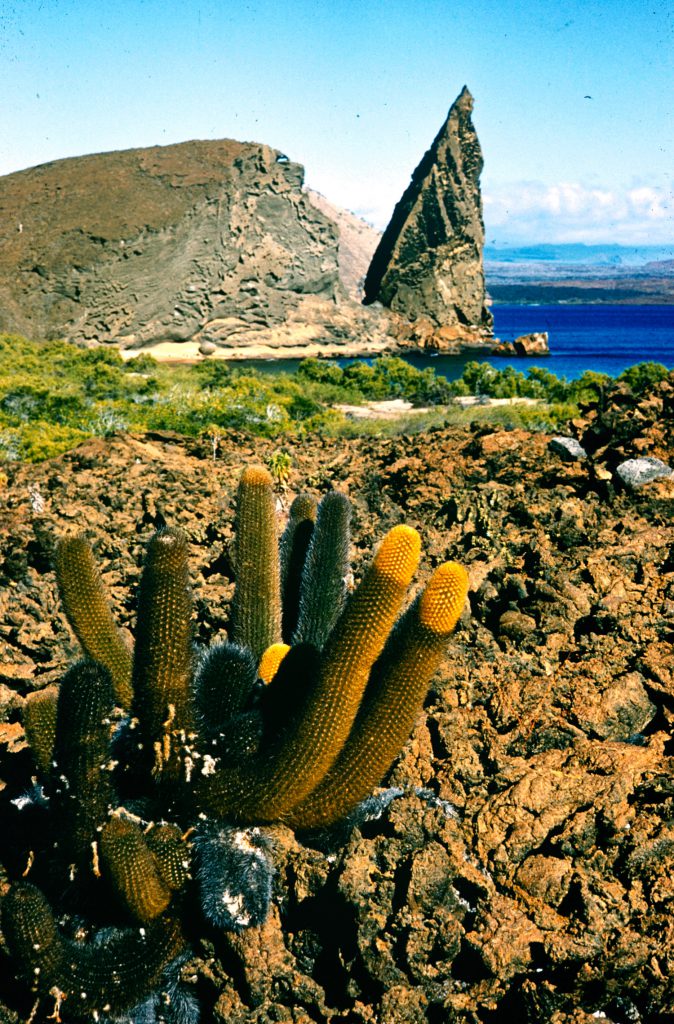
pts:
[443, 599]
[398, 554]
[270, 661]
[256, 476]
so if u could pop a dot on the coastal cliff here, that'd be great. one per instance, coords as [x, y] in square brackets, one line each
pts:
[216, 248]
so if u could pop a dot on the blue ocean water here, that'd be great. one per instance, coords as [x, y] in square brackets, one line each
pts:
[607, 339]
[603, 338]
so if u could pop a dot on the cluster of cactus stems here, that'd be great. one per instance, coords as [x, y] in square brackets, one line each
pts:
[158, 765]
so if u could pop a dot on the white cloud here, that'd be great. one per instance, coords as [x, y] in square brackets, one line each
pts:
[525, 212]
[531, 211]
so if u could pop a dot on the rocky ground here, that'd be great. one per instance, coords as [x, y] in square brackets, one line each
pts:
[525, 873]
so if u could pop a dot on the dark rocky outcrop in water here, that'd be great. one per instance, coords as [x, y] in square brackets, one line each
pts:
[212, 242]
[534, 344]
[428, 265]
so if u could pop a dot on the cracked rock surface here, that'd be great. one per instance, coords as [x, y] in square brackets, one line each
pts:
[521, 866]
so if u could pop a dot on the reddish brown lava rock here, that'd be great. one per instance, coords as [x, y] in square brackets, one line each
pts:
[524, 870]
[535, 344]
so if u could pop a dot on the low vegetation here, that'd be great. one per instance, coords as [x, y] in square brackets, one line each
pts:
[54, 395]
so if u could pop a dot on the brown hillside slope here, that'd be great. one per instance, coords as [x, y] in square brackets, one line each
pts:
[215, 242]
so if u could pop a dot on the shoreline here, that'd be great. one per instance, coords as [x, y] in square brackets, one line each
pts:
[188, 353]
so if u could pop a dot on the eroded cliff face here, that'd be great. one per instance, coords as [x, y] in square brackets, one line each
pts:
[211, 242]
[428, 266]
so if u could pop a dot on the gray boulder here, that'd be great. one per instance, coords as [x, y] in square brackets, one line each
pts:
[635, 473]
[567, 448]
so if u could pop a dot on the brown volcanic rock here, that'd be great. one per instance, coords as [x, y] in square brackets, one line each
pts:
[429, 262]
[535, 344]
[525, 873]
[214, 242]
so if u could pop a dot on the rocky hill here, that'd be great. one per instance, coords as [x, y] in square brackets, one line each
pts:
[428, 264]
[640, 290]
[216, 247]
[609, 274]
[212, 243]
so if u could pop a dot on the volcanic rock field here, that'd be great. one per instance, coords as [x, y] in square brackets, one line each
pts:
[520, 864]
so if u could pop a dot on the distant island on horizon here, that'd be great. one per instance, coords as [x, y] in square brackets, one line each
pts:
[580, 273]
[591, 253]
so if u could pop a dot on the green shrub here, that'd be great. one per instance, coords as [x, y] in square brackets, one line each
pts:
[390, 377]
[589, 386]
[302, 407]
[479, 378]
[54, 395]
[211, 373]
[320, 371]
[644, 376]
[41, 440]
[541, 383]
[144, 363]
[27, 402]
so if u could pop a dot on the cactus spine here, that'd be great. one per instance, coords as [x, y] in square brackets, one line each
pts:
[223, 683]
[171, 854]
[110, 974]
[325, 570]
[133, 870]
[39, 722]
[32, 936]
[163, 659]
[293, 548]
[267, 789]
[255, 730]
[392, 700]
[82, 783]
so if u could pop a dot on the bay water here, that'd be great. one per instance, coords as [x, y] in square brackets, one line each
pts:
[604, 338]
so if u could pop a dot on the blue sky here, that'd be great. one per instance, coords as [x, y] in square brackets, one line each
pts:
[357, 89]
